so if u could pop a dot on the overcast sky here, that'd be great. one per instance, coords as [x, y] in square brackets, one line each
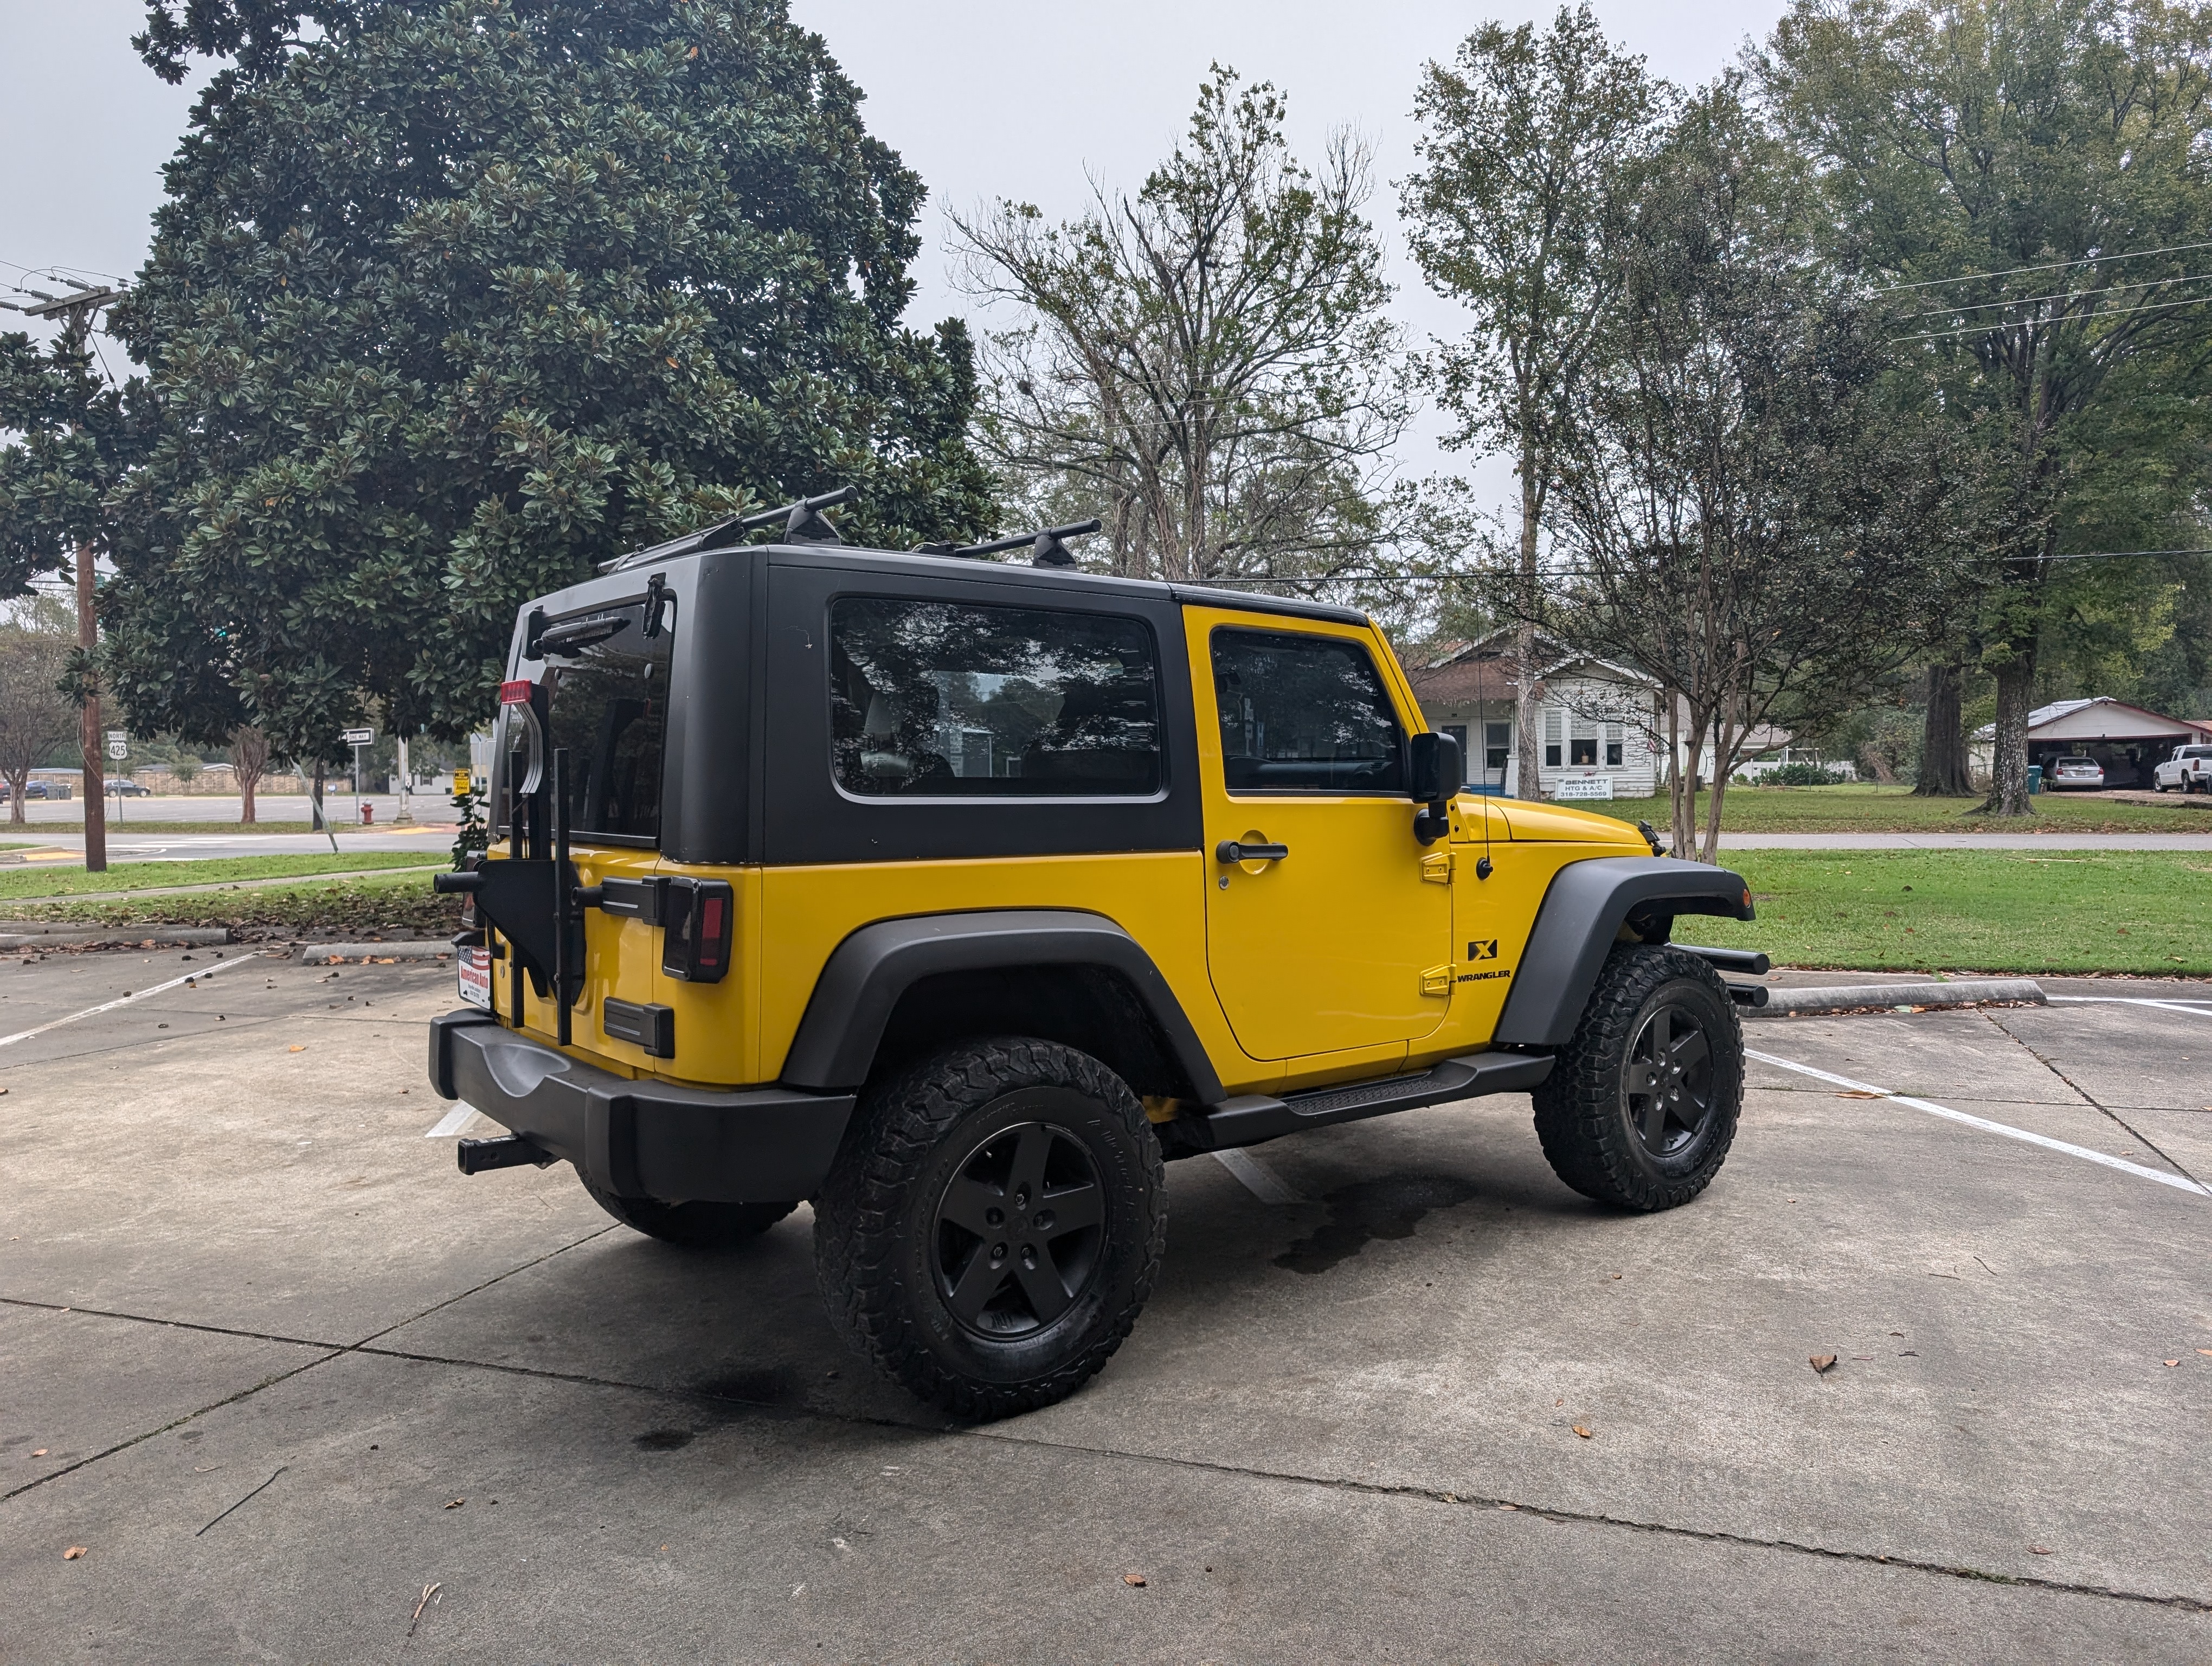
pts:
[986, 99]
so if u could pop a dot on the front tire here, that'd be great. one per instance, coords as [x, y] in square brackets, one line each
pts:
[1641, 1108]
[692, 1225]
[992, 1225]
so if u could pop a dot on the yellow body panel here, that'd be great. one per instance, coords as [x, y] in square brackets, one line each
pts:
[1364, 953]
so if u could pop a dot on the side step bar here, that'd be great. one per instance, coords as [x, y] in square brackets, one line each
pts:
[1250, 1118]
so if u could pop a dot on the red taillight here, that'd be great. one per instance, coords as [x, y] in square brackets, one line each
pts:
[515, 694]
[710, 932]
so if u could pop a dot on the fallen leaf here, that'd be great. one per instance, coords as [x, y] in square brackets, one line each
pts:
[296, 1050]
[1581, 1430]
[2173, 1362]
[2206, 1351]
[1822, 1362]
[2040, 1550]
[1136, 1579]
[456, 1504]
[1855, 1094]
[72, 1552]
[41, 1452]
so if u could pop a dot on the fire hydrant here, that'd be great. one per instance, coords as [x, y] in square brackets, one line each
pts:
[367, 814]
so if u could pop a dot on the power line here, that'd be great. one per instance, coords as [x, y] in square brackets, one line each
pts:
[2053, 266]
[1996, 325]
[2063, 294]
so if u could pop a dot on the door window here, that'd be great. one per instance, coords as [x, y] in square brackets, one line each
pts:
[930, 699]
[1304, 713]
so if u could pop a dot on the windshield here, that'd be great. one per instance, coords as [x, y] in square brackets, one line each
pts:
[607, 693]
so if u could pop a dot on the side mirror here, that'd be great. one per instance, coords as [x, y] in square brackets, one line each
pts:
[1437, 772]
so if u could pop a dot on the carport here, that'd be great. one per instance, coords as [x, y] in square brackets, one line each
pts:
[2128, 741]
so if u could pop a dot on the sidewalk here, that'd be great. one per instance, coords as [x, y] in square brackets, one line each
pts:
[1966, 841]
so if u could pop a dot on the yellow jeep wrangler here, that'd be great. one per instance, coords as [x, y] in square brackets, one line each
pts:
[954, 894]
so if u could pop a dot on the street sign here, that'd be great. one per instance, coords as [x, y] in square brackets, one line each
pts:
[358, 736]
[118, 737]
[460, 783]
[119, 749]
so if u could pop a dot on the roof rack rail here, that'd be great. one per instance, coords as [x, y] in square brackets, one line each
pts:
[804, 523]
[1048, 546]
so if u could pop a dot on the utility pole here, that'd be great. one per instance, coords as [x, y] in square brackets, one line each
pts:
[76, 312]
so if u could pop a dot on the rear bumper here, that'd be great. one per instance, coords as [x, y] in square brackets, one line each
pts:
[641, 1139]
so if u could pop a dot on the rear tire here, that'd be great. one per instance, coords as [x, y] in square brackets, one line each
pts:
[692, 1225]
[1641, 1108]
[992, 1225]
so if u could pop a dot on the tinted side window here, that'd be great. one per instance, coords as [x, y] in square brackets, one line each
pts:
[933, 699]
[1303, 714]
[607, 686]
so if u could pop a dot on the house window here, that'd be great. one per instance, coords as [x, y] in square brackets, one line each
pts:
[1584, 748]
[1612, 745]
[1555, 724]
[1496, 746]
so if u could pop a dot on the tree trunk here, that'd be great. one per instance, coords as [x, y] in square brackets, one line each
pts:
[91, 740]
[1709, 847]
[17, 784]
[1678, 781]
[1944, 771]
[1529, 711]
[245, 785]
[2015, 699]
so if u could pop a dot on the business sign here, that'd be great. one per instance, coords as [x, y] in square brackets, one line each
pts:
[367, 736]
[1583, 786]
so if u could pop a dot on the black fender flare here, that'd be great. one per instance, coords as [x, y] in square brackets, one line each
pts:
[865, 976]
[1580, 920]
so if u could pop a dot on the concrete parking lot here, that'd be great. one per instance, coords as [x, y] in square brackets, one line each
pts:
[302, 1392]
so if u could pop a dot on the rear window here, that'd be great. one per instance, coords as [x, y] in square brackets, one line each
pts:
[2077, 764]
[607, 691]
[933, 699]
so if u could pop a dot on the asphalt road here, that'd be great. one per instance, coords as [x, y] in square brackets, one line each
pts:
[290, 1379]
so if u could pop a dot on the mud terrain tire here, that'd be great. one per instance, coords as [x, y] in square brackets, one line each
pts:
[992, 1225]
[1641, 1109]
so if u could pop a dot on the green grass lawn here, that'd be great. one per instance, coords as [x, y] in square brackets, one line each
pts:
[24, 884]
[1862, 807]
[2145, 912]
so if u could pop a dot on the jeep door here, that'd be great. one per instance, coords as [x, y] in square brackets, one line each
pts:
[1335, 934]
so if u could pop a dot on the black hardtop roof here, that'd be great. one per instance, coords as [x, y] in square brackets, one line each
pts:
[594, 591]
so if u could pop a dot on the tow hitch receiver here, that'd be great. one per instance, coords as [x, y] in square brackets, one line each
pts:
[508, 1151]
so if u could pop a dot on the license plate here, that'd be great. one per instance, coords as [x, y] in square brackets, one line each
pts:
[472, 967]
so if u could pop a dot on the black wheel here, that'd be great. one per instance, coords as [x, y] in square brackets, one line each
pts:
[1642, 1106]
[694, 1226]
[992, 1225]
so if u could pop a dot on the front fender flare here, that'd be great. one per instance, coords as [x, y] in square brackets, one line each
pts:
[1578, 923]
[865, 976]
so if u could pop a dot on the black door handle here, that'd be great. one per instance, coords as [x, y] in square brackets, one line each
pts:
[1229, 851]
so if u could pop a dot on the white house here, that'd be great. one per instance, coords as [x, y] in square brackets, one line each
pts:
[1603, 724]
[2127, 740]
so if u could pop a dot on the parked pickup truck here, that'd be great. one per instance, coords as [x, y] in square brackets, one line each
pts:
[2189, 768]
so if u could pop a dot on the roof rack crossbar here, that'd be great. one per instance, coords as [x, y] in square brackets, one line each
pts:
[804, 523]
[1048, 545]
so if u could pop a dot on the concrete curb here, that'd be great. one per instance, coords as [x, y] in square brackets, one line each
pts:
[160, 937]
[1850, 997]
[334, 954]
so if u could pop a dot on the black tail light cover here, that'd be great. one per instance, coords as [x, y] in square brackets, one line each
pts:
[696, 929]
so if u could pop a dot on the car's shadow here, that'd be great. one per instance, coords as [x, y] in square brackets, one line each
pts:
[744, 1329]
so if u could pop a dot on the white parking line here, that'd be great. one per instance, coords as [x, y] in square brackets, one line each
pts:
[2179, 1183]
[246, 960]
[2203, 1009]
[1262, 1181]
[452, 1121]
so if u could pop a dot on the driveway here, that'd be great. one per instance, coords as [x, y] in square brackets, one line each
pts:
[302, 1392]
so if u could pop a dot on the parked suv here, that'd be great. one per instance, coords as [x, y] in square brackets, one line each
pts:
[2189, 768]
[956, 896]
